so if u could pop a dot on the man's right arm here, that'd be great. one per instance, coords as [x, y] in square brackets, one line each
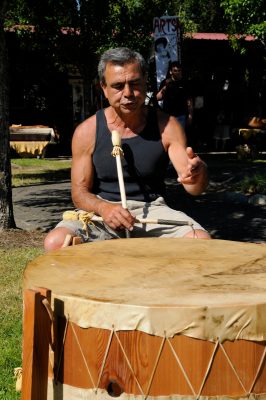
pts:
[83, 143]
[160, 94]
[82, 175]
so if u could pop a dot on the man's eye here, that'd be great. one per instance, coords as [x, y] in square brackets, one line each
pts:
[118, 87]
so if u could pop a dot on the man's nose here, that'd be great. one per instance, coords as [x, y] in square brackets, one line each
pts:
[128, 90]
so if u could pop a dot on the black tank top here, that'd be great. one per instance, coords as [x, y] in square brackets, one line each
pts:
[144, 162]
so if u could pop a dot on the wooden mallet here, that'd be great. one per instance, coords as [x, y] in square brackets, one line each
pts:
[118, 153]
[157, 221]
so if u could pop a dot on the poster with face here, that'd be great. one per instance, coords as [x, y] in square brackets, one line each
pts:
[167, 44]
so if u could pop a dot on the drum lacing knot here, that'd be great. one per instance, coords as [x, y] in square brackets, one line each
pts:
[117, 151]
[83, 216]
[49, 310]
[18, 377]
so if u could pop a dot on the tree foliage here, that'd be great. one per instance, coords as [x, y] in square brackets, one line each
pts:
[103, 24]
[246, 17]
[200, 15]
[39, 25]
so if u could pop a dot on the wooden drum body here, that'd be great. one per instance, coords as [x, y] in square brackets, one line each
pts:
[179, 318]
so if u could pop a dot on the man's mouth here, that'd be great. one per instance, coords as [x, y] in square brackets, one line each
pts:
[128, 105]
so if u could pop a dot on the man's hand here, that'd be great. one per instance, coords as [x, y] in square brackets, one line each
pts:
[116, 216]
[195, 171]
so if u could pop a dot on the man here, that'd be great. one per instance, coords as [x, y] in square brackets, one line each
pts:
[148, 137]
[173, 93]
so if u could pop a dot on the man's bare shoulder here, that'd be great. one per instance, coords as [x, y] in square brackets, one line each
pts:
[87, 128]
[171, 130]
[165, 121]
[83, 140]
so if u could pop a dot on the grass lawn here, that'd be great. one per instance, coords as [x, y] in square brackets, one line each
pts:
[29, 171]
[13, 262]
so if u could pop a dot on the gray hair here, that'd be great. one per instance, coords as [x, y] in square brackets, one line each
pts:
[120, 56]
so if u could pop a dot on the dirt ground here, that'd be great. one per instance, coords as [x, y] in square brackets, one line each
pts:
[18, 238]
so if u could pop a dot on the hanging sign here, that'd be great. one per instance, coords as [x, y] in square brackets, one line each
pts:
[167, 44]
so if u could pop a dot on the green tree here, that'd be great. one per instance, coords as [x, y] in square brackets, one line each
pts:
[246, 17]
[200, 15]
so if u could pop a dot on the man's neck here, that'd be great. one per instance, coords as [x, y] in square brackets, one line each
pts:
[128, 125]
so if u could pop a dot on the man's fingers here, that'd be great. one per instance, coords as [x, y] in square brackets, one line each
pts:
[191, 153]
[120, 218]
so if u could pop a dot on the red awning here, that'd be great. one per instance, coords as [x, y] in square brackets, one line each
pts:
[214, 36]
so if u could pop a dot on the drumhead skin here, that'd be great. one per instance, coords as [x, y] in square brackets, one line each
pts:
[205, 289]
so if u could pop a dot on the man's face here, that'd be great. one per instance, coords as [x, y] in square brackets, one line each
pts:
[125, 87]
[176, 73]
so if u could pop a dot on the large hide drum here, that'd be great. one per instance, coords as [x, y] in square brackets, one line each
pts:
[147, 318]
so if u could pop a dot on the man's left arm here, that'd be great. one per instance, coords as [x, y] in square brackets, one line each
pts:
[193, 176]
[191, 169]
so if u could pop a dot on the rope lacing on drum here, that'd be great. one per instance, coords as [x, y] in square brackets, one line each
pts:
[155, 365]
[181, 367]
[104, 359]
[61, 351]
[209, 366]
[258, 371]
[208, 369]
[165, 339]
[232, 366]
[49, 310]
[82, 354]
[247, 392]
[128, 363]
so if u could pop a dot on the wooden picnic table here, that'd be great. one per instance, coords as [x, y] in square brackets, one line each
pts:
[30, 141]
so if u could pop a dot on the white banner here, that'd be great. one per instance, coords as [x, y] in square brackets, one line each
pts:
[167, 44]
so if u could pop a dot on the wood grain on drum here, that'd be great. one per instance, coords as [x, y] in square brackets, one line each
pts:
[139, 373]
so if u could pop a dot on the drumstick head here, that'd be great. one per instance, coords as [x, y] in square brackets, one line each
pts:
[116, 138]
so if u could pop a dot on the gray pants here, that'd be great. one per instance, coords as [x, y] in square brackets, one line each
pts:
[154, 210]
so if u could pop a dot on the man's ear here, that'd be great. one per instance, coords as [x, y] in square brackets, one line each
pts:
[103, 86]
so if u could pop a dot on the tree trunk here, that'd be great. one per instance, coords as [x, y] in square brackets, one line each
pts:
[6, 206]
